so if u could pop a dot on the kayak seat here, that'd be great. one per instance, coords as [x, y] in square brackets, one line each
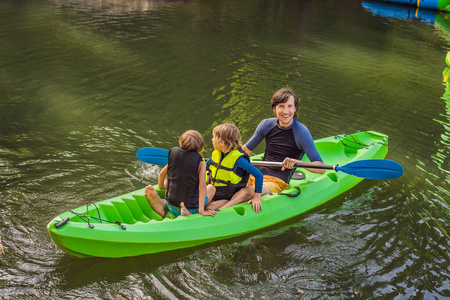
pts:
[161, 192]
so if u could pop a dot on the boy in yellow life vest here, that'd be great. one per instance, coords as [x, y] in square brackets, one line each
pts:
[230, 168]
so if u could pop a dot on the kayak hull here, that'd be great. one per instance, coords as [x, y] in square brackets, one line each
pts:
[139, 230]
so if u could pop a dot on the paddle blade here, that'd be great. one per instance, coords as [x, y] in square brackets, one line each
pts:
[373, 169]
[154, 156]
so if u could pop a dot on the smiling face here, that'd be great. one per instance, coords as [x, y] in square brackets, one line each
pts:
[285, 112]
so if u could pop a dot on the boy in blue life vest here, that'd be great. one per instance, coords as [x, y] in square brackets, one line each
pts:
[230, 168]
[186, 191]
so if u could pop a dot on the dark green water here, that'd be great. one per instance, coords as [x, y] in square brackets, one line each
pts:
[84, 84]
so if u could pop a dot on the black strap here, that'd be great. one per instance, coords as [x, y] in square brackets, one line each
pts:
[292, 195]
[215, 180]
[219, 166]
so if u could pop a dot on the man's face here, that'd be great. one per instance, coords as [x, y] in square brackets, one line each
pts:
[285, 112]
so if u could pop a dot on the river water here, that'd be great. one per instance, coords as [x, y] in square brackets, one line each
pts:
[84, 84]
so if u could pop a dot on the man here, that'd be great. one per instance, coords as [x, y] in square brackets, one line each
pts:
[287, 140]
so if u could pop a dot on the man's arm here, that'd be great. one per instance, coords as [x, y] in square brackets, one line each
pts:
[260, 132]
[305, 140]
[246, 150]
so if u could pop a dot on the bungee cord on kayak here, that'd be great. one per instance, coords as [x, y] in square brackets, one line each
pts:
[291, 195]
[86, 218]
[344, 136]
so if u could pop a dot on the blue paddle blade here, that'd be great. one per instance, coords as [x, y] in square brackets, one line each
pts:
[373, 169]
[154, 156]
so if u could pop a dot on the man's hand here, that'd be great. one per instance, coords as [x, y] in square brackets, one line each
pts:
[289, 163]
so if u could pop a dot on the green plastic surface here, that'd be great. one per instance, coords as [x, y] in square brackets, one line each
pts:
[146, 232]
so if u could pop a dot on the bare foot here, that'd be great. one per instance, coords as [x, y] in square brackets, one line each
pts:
[184, 211]
[158, 204]
[151, 194]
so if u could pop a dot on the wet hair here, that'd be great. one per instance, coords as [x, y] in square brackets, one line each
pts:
[228, 134]
[191, 140]
[282, 96]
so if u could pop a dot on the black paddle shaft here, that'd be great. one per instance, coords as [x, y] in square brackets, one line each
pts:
[301, 165]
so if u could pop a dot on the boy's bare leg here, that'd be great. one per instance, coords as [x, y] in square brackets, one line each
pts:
[216, 204]
[158, 204]
[184, 211]
[243, 195]
[210, 191]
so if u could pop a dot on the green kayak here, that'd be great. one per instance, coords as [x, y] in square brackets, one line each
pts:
[126, 225]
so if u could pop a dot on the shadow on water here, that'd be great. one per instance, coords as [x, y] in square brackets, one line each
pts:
[81, 272]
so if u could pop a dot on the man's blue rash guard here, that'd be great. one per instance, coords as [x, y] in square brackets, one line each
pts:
[244, 164]
[293, 142]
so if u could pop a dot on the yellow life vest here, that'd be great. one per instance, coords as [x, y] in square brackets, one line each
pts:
[222, 173]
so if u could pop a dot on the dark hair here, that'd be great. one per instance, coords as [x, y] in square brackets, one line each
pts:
[191, 140]
[282, 96]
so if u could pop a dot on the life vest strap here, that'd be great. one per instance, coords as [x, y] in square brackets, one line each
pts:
[228, 183]
[218, 166]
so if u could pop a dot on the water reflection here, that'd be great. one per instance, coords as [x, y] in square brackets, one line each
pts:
[442, 156]
[117, 6]
[440, 19]
[249, 85]
[427, 201]
[393, 10]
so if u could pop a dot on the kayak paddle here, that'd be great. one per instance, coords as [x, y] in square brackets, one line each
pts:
[366, 168]
[154, 156]
[369, 168]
